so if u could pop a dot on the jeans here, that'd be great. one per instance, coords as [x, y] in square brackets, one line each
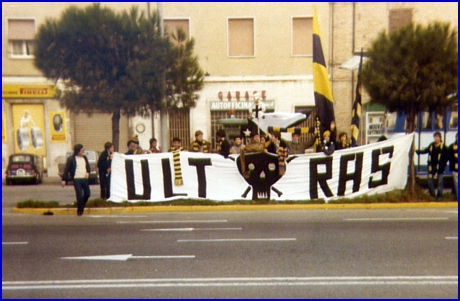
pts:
[440, 185]
[455, 182]
[83, 193]
[104, 181]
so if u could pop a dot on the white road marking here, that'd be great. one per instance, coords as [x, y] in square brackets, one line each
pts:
[237, 240]
[221, 282]
[125, 257]
[452, 238]
[171, 222]
[396, 219]
[115, 216]
[191, 229]
[14, 243]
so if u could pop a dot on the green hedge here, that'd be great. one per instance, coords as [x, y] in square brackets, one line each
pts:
[398, 196]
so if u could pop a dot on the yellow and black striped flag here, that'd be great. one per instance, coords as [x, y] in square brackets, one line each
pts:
[356, 111]
[323, 93]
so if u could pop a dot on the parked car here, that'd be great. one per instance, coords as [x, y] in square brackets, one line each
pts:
[92, 156]
[24, 168]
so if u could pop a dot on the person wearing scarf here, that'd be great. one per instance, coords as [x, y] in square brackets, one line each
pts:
[437, 159]
[453, 163]
[176, 148]
[199, 145]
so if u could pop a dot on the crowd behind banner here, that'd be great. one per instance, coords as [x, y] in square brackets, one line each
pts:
[351, 172]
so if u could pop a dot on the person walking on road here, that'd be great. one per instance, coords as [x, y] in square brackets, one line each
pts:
[77, 169]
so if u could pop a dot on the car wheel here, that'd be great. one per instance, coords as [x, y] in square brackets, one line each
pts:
[37, 180]
[8, 182]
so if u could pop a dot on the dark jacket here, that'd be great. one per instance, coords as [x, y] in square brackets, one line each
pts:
[453, 157]
[104, 163]
[224, 147]
[437, 158]
[71, 166]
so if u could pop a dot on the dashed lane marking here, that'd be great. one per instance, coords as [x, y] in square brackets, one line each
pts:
[171, 222]
[190, 229]
[396, 219]
[238, 240]
[12, 243]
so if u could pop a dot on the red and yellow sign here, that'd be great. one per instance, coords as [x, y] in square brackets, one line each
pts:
[57, 126]
[29, 91]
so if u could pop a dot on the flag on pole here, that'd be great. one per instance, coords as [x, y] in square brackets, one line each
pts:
[323, 93]
[356, 111]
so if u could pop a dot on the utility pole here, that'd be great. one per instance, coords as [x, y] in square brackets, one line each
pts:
[164, 120]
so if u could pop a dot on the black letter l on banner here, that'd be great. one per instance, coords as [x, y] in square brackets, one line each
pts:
[129, 167]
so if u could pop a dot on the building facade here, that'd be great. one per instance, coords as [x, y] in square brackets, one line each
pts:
[242, 48]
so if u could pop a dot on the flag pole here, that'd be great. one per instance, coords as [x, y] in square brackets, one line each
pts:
[357, 107]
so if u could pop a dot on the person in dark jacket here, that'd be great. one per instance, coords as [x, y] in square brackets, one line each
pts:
[343, 142]
[132, 144]
[437, 159]
[223, 146]
[296, 147]
[327, 146]
[77, 169]
[104, 167]
[453, 164]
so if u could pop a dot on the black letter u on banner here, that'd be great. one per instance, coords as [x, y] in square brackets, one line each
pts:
[129, 168]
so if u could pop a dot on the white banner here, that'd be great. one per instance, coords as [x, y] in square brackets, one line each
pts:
[369, 169]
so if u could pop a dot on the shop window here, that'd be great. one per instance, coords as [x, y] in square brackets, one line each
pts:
[390, 120]
[216, 115]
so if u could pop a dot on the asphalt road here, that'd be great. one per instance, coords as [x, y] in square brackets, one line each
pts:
[401, 253]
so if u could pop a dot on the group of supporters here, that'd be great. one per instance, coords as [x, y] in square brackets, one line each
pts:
[77, 168]
[439, 155]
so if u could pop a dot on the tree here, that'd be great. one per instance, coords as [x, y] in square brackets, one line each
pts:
[110, 62]
[185, 76]
[413, 69]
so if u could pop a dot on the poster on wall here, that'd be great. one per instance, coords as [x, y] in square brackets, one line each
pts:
[365, 170]
[29, 128]
[57, 126]
[3, 127]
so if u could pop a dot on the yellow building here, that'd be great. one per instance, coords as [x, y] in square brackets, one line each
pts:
[242, 47]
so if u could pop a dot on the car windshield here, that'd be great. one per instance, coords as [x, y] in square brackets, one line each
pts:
[21, 158]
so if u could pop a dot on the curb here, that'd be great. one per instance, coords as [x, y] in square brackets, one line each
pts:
[137, 209]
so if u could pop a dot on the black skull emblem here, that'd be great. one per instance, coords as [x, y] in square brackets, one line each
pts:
[261, 172]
